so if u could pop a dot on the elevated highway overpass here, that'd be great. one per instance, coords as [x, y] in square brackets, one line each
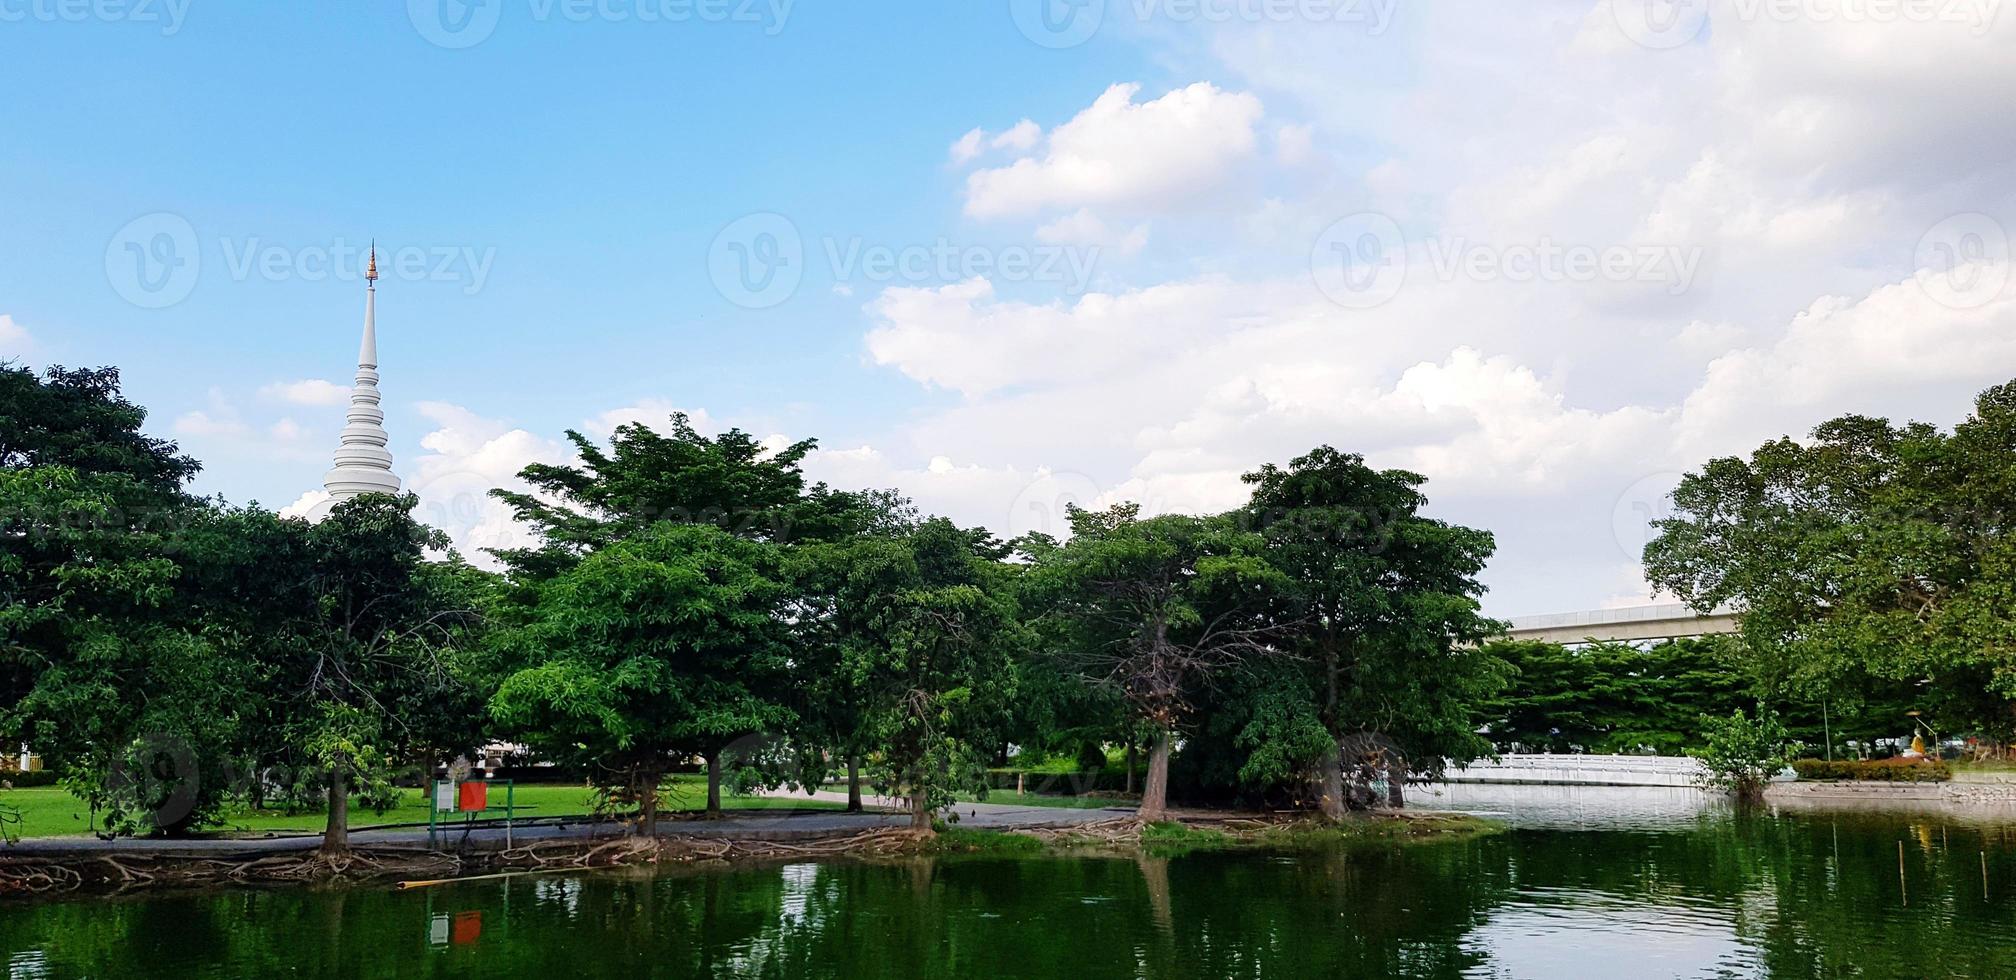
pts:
[1632, 624]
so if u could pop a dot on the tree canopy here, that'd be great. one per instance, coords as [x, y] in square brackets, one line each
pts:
[1873, 551]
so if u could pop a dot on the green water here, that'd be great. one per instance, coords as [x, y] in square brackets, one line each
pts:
[1638, 884]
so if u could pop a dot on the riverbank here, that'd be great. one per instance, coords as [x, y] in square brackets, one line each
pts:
[63, 867]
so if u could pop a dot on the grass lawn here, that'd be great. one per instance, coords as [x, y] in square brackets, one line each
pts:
[50, 811]
[1012, 798]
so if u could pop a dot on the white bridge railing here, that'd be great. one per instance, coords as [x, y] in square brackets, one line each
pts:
[1587, 770]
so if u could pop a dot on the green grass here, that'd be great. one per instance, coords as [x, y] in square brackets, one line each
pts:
[51, 811]
[1983, 765]
[1012, 798]
[960, 840]
[1174, 839]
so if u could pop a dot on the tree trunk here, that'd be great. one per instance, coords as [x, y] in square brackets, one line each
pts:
[713, 785]
[1396, 784]
[1155, 795]
[920, 809]
[1333, 803]
[647, 805]
[853, 784]
[1130, 765]
[336, 835]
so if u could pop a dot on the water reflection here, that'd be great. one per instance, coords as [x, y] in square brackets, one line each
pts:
[1589, 884]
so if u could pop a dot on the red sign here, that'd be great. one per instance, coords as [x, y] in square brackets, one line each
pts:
[468, 926]
[473, 797]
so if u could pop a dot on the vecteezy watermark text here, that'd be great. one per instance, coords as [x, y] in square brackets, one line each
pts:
[1662, 24]
[759, 261]
[1069, 23]
[1363, 261]
[467, 23]
[155, 261]
[169, 14]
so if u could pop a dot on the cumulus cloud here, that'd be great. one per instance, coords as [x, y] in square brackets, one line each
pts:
[14, 337]
[1124, 153]
[312, 391]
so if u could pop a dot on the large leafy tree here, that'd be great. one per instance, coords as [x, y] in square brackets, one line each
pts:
[1870, 550]
[78, 419]
[918, 633]
[1152, 610]
[372, 681]
[732, 481]
[1613, 697]
[830, 683]
[1383, 614]
[665, 645]
[99, 669]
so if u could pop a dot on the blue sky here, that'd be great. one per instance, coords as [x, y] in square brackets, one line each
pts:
[1783, 218]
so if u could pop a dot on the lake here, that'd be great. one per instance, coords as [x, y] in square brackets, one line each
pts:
[1586, 883]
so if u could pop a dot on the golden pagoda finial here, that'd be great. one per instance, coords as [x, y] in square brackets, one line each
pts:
[371, 271]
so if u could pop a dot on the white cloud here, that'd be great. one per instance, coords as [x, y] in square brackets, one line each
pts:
[1021, 137]
[969, 146]
[1119, 152]
[1082, 227]
[14, 337]
[312, 391]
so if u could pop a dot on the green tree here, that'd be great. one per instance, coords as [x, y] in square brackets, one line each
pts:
[370, 678]
[918, 631]
[1150, 610]
[1613, 697]
[665, 645]
[733, 482]
[99, 670]
[1743, 753]
[1383, 614]
[1871, 551]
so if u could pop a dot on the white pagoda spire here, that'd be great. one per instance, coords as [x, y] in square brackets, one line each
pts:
[363, 465]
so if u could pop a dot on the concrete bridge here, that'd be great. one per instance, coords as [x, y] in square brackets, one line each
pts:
[1632, 624]
[1581, 770]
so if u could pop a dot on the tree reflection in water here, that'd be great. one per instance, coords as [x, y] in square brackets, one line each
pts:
[1802, 895]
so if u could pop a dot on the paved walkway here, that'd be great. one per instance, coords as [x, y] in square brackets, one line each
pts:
[745, 824]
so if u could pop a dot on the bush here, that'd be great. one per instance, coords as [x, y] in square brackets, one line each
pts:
[1875, 770]
[1065, 783]
[1743, 753]
[25, 780]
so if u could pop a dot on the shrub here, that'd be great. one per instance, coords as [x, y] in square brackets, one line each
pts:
[25, 780]
[1063, 784]
[1875, 770]
[1743, 753]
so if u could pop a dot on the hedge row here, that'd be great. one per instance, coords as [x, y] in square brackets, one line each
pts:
[1064, 783]
[24, 780]
[1878, 770]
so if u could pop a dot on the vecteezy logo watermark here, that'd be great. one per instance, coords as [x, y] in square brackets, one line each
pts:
[1361, 261]
[1660, 24]
[1963, 261]
[1639, 508]
[1043, 507]
[455, 23]
[467, 23]
[759, 262]
[1058, 23]
[1663, 24]
[153, 262]
[169, 14]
